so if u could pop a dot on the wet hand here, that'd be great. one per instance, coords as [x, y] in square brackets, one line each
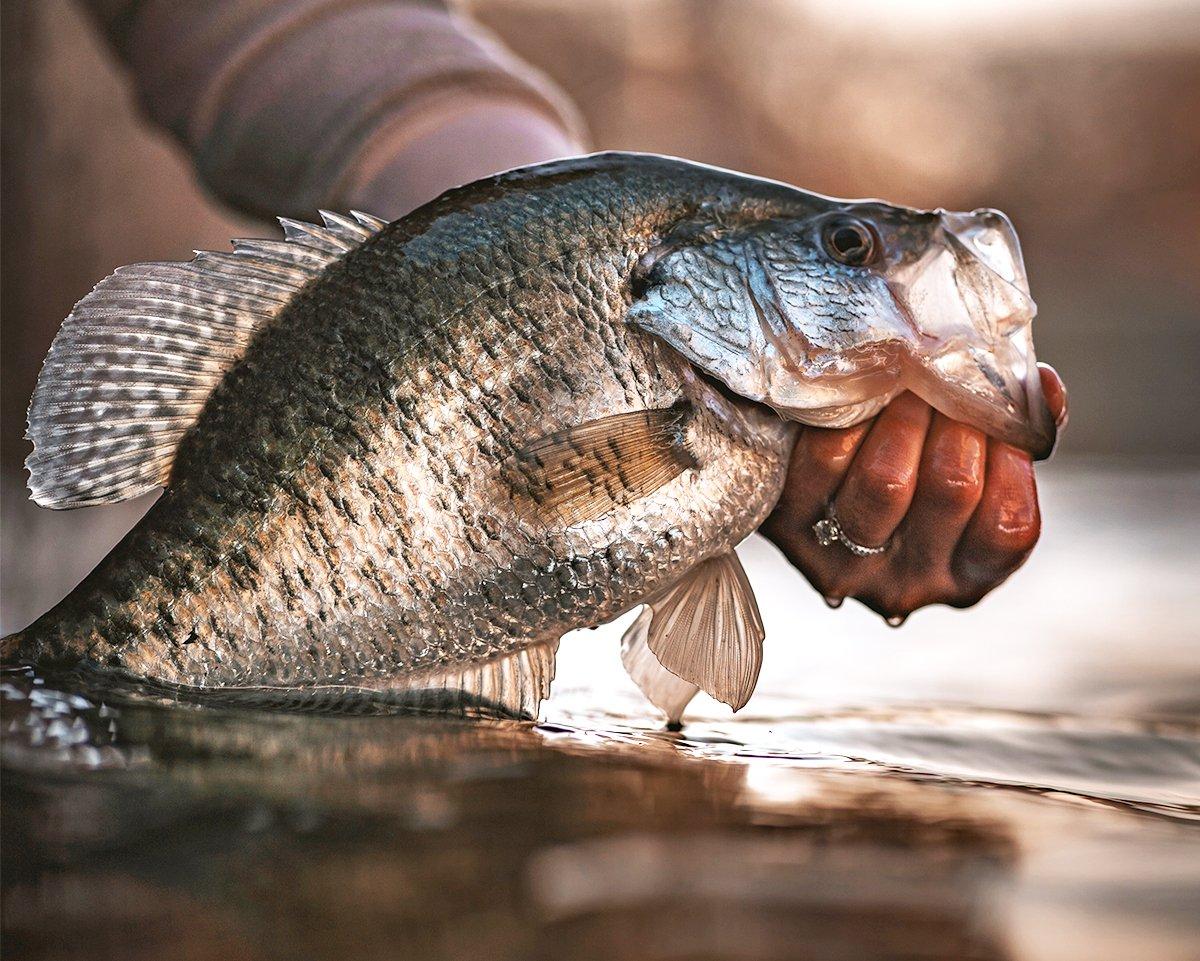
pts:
[958, 510]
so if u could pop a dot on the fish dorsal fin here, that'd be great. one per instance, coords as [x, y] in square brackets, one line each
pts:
[706, 630]
[583, 472]
[132, 366]
[667, 692]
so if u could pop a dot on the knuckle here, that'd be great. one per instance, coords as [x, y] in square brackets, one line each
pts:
[882, 485]
[828, 452]
[1014, 539]
[958, 490]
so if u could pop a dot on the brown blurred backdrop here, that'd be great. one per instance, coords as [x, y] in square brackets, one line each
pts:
[1081, 120]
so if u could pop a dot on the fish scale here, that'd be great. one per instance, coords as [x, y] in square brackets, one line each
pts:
[339, 418]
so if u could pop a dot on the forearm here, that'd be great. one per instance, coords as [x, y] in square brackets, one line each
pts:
[290, 105]
[413, 159]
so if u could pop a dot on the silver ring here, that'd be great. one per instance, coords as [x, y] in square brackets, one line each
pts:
[829, 532]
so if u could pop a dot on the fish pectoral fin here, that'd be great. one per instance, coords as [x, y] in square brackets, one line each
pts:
[132, 367]
[583, 472]
[706, 630]
[668, 693]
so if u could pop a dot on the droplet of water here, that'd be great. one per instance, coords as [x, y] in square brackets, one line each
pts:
[896, 620]
[834, 602]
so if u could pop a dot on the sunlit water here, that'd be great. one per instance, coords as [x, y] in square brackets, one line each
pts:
[1017, 782]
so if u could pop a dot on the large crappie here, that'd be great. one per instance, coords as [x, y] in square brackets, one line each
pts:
[401, 460]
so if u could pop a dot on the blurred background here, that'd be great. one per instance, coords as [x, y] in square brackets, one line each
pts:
[1077, 118]
[1058, 716]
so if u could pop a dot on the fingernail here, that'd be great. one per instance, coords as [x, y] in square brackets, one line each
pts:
[1059, 388]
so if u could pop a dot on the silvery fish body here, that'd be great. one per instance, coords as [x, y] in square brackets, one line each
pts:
[402, 460]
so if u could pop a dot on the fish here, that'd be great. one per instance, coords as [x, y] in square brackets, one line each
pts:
[400, 460]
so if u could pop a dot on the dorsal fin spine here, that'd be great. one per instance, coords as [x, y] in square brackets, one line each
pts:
[136, 360]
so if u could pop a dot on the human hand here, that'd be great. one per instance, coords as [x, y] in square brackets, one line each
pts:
[958, 509]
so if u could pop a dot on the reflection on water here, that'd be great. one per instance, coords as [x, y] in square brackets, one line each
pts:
[1061, 826]
[140, 829]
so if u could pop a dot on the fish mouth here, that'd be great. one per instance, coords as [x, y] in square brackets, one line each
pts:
[971, 389]
[970, 307]
[998, 391]
[833, 416]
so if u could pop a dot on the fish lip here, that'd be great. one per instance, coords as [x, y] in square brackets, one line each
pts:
[837, 416]
[1046, 451]
[1035, 432]
[1030, 428]
[1038, 441]
[807, 417]
[1043, 427]
[972, 358]
[1006, 264]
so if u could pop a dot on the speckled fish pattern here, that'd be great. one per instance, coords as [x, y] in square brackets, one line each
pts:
[341, 512]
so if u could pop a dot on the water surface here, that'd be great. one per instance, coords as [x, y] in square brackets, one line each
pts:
[1018, 782]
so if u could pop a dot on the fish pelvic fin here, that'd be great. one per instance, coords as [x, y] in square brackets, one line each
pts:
[584, 472]
[133, 364]
[667, 692]
[706, 631]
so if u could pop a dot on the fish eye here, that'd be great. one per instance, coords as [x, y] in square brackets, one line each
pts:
[849, 241]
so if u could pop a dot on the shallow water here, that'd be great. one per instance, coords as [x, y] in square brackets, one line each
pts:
[1030, 791]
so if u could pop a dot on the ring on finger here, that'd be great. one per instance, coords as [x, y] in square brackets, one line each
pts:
[829, 532]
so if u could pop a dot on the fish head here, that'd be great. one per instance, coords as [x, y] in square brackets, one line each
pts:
[827, 316]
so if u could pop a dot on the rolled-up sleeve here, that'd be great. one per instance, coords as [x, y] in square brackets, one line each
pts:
[287, 105]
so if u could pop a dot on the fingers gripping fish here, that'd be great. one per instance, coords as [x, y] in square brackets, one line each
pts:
[401, 460]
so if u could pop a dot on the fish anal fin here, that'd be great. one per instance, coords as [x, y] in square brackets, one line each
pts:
[133, 364]
[706, 630]
[584, 472]
[510, 686]
[666, 691]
